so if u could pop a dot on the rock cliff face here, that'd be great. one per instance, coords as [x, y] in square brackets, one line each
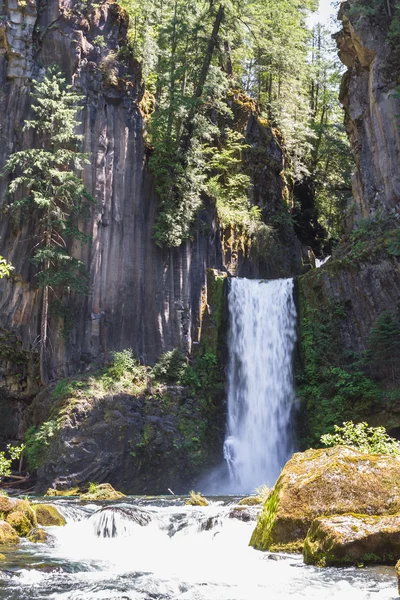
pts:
[341, 303]
[372, 107]
[141, 296]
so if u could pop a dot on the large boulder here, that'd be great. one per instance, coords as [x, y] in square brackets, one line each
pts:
[103, 491]
[38, 536]
[330, 481]
[22, 517]
[7, 534]
[353, 539]
[48, 515]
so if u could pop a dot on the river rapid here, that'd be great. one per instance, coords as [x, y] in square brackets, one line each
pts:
[160, 549]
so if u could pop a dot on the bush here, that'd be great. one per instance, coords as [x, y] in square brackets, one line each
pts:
[171, 366]
[37, 441]
[13, 452]
[371, 440]
[122, 362]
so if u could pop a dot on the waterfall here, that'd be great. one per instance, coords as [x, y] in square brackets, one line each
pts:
[261, 340]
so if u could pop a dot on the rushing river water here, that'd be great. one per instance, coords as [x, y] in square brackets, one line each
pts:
[262, 335]
[176, 553]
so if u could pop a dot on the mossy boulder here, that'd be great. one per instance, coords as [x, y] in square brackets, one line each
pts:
[22, 517]
[196, 499]
[48, 515]
[62, 493]
[352, 539]
[20, 522]
[398, 575]
[250, 501]
[103, 491]
[8, 535]
[38, 536]
[6, 504]
[329, 481]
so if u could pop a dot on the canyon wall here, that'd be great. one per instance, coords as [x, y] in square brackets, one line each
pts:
[141, 296]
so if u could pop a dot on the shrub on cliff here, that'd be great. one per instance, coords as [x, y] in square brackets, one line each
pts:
[371, 440]
[171, 366]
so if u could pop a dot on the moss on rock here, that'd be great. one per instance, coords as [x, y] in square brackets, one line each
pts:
[330, 481]
[196, 499]
[353, 539]
[6, 504]
[38, 536]
[62, 493]
[8, 535]
[250, 501]
[22, 517]
[48, 515]
[103, 491]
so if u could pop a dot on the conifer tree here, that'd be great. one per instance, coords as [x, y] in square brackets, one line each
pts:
[46, 184]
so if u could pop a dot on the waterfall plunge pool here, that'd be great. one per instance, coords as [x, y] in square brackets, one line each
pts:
[183, 553]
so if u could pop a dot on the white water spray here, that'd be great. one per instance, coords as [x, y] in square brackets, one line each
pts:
[260, 381]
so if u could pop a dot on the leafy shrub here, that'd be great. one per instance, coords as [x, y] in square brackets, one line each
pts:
[171, 366]
[37, 442]
[122, 362]
[372, 440]
[13, 452]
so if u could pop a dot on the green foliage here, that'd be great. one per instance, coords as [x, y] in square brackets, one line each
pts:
[372, 440]
[5, 268]
[228, 184]
[92, 488]
[46, 187]
[6, 458]
[37, 442]
[384, 344]
[122, 362]
[170, 366]
[332, 385]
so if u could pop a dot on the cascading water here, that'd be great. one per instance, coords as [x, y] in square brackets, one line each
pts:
[260, 381]
[148, 548]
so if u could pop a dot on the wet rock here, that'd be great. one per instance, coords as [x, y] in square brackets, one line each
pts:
[111, 521]
[242, 514]
[8, 535]
[38, 536]
[103, 491]
[330, 481]
[48, 515]
[353, 540]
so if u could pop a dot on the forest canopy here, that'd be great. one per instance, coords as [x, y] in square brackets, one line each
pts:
[193, 55]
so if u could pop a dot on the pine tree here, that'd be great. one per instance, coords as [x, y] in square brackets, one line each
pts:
[46, 178]
[384, 343]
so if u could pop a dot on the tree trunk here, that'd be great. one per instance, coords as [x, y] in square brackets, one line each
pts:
[202, 78]
[43, 337]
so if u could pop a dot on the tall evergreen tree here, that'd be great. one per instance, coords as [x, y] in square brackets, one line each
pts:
[47, 184]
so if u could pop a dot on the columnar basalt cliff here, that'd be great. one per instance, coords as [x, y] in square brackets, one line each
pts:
[372, 106]
[141, 296]
[341, 304]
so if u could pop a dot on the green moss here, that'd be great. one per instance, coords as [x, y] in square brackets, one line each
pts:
[38, 536]
[48, 515]
[20, 523]
[331, 383]
[262, 537]
[102, 491]
[8, 535]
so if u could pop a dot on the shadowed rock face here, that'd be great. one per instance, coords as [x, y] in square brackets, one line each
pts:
[371, 107]
[141, 296]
